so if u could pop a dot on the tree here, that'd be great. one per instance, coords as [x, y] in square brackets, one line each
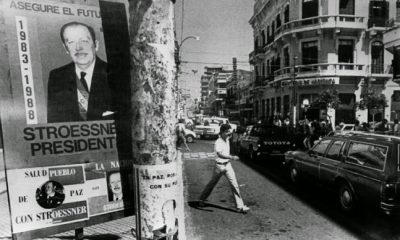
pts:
[372, 100]
[327, 98]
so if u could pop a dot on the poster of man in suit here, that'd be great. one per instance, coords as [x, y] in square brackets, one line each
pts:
[58, 112]
[79, 90]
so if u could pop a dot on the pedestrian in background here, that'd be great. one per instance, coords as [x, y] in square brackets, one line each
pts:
[180, 134]
[223, 166]
[396, 128]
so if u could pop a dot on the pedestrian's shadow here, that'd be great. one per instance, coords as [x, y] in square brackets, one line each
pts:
[196, 205]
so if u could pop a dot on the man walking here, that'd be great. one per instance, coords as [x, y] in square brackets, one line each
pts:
[224, 167]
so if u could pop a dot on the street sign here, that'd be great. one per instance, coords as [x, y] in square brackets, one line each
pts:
[61, 130]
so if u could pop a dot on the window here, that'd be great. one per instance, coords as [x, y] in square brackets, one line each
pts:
[310, 8]
[263, 108]
[262, 38]
[263, 70]
[272, 31]
[319, 148]
[286, 14]
[272, 106]
[398, 10]
[377, 57]
[309, 52]
[346, 7]
[278, 105]
[278, 21]
[367, 155]
[278, 62]
[335, 150]
[286, 57]
[346, 51]
[256, 108]
[396, 96]
[268, 35]
[268, 113]
[378, 13]
[286, 105]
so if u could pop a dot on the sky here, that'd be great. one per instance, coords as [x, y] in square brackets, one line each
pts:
[224, 31]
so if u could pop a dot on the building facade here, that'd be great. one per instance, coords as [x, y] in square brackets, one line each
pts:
[238, 101]
[218, 93]
[304, 47]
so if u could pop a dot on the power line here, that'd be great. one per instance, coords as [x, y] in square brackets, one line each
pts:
[215, 53]
[215, 63]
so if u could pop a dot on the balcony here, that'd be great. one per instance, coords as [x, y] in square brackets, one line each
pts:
[321, 22]
[380, 70]
[391, 38]
[377, 22]
[257, 54]
[321, 69]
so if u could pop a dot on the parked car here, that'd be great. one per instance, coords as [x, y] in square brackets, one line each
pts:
[360, 167]
[344, 128]
[219, 121]
[190, 135]
[207, 131]
[266, 140]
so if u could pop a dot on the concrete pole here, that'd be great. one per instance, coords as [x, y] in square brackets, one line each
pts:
[154, 115]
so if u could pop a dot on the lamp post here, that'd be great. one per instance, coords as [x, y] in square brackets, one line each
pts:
[178, 66]
[294, 97]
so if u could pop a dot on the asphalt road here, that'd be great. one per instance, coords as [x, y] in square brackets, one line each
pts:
[279, 210]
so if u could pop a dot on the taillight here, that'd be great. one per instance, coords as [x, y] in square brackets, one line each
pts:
[389, 191]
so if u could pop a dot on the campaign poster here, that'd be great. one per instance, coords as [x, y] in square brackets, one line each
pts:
[104, 184]
[47, 196]
[61, 113]
[157, 188]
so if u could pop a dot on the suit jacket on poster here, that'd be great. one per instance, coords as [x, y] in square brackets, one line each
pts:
[62, 101]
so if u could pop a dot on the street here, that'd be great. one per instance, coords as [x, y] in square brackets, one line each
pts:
[278, 209]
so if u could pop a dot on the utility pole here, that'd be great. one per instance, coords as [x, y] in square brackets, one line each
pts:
[154, 116]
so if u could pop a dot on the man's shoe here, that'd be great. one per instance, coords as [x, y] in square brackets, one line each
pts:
[243, 209]
[201, 203]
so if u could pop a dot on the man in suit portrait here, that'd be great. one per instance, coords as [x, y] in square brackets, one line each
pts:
[79, 91]
[49, 196]
[115, 187]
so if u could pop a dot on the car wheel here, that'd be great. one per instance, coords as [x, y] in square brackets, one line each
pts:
[346, 198]
[293, 174]
[189, 139]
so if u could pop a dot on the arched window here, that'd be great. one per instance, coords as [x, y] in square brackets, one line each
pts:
[286, 14]
[377, 57]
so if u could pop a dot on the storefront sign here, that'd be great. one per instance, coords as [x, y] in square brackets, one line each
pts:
[311, 81]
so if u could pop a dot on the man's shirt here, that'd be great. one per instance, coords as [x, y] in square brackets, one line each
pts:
[222, 147]
[89, 73]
